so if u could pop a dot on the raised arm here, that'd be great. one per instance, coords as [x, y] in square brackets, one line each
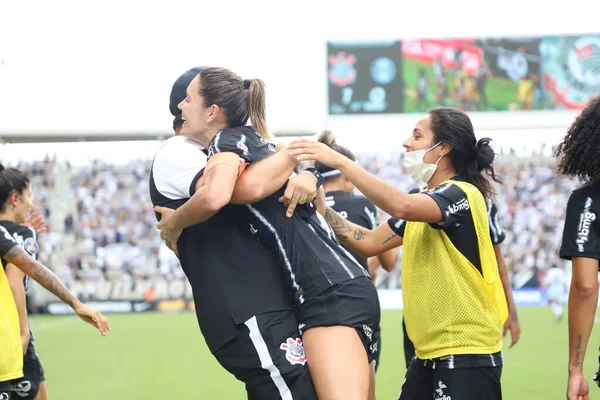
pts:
[409, 207]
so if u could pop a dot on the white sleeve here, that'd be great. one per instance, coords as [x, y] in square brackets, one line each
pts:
[176, 165]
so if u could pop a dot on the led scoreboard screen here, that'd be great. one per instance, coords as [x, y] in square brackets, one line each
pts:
[364, 77]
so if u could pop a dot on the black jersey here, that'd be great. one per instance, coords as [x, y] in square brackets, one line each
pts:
[25, 237]
[581, 232]
[233, 277]
[356, 209]
[458, 222]
[7, 242]
[305, 246]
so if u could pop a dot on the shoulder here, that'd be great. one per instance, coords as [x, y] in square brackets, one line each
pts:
[179, 148]
[29, 235]
[240, 140]
[583, 198]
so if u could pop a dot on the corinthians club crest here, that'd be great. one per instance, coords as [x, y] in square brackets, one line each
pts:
[294, 351]
[571, 69]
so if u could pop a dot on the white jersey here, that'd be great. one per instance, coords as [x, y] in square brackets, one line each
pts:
[555, 277]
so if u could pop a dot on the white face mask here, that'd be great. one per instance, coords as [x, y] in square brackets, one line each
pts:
[417, 168]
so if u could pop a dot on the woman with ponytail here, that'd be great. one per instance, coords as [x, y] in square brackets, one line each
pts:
[454, 302]
[336, 304]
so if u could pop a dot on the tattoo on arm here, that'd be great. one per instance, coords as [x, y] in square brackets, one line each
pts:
[40, 274]
[338, 224]
[577, 362]
[359, 234]
[389, 238]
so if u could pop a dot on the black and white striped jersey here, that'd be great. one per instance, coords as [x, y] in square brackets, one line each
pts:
[305, 246]
[356, 209]
[232, 276]
[25, 237]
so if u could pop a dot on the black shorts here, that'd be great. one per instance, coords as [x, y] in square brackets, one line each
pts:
[481, 383]
[409, 347]
[268, 356]
[353, 303]
[27, 387]
[5, 391]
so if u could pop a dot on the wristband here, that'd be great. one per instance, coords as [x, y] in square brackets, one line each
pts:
[317, 175]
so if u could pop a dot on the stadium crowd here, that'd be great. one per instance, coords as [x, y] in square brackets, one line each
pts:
[108, 229]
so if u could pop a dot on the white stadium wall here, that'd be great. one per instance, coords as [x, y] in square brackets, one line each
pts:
[94, 76]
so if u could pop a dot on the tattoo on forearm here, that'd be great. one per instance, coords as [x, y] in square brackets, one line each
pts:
[42, 275]
[389, 238]
[338, 224]
[577, 362]
[359, 234]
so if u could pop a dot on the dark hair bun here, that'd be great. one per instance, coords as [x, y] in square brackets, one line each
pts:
[327, 138]
[1, 167]
[484, 154]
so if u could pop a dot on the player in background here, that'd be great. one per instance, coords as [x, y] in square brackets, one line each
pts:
[555, 283]
[336, 303]
[579, 154]
[33, 384]
[246, 315]
[357, 209]
[11, 356]
[454, 302]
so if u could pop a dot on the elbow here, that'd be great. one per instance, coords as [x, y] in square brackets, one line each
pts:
[400, 208]
[256, 192]
[214, 202]
[391, 264]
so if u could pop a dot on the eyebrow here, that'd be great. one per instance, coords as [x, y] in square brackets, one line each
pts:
[416, 130]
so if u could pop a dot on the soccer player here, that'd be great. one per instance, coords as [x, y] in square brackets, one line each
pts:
[555, 284]
[579, 158]
[454, 302]
[245, 313]
[11, 356]
[33, 383]
[336, 303]
[357, 209]
[512, 323]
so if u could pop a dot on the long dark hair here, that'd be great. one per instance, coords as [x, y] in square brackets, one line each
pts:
[469, 157]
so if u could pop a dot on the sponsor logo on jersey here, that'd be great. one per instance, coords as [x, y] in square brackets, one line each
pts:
[586, 218]
[294, 351]
[460, 205]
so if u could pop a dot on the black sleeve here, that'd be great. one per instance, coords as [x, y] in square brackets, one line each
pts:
[580, 232]
[496, 231]
[6, 242]
[30, 244]
[232, 141]
[397, 225]
[453, 202]
[365, 214]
